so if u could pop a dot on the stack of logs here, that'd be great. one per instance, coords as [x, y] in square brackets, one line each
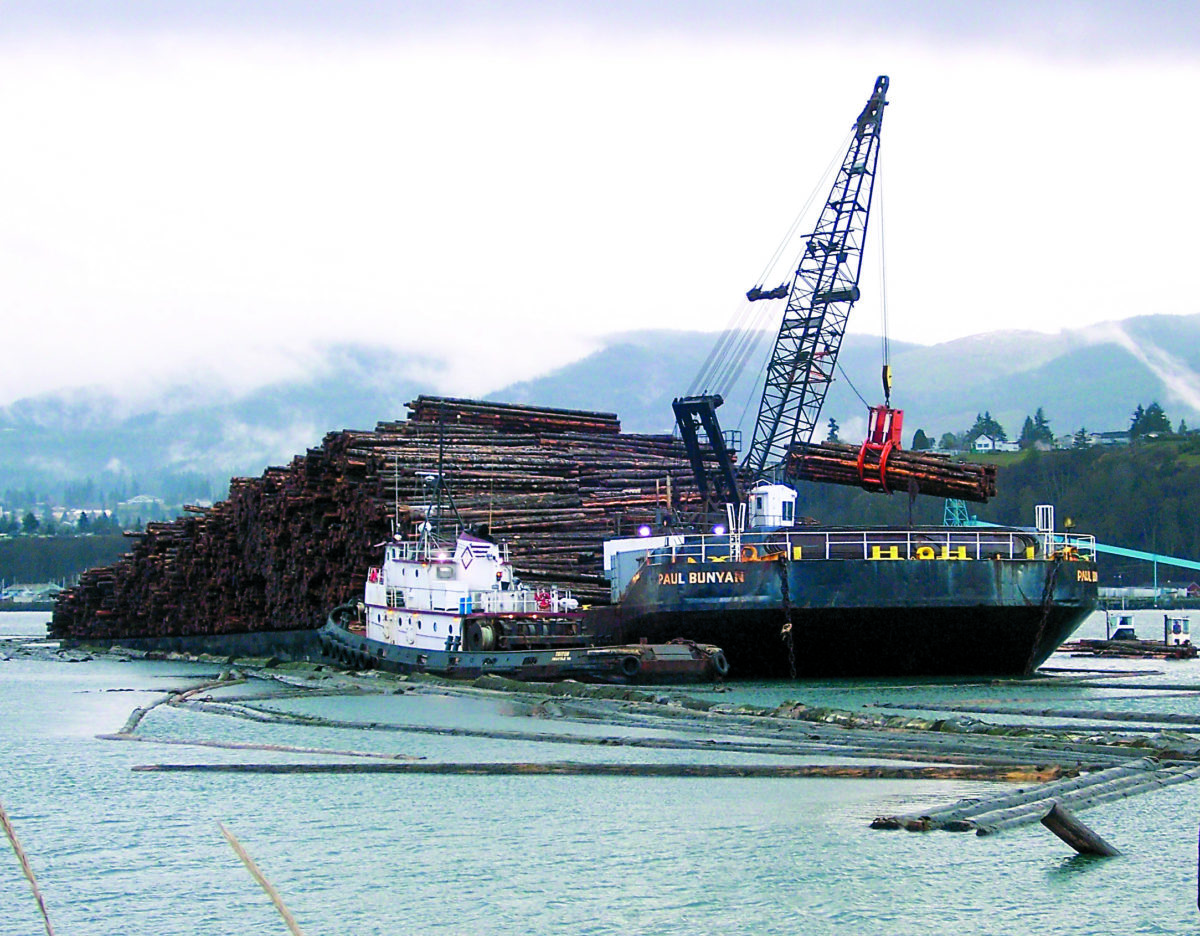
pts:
[552, 484]
[284, 548]
[921, 472]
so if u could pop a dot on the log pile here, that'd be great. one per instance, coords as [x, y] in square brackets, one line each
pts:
[283, 548]
[924, 472]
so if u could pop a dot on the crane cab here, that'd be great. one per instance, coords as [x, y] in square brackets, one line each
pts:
[771, 506]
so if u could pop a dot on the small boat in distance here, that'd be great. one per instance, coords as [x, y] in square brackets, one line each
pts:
[456, 608]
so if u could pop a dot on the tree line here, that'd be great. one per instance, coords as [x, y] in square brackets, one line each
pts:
[1147, 422]
[1144, 497]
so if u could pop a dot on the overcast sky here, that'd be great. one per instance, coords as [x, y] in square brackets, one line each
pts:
[216, 189]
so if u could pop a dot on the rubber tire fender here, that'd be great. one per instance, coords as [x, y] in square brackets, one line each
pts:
[720, 664]
[630, 666]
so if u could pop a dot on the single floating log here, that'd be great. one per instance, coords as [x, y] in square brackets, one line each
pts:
[580, 769]
[1062, 822]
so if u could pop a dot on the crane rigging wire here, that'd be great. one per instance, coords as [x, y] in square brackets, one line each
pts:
[850, 384]
[817, 189]
[741, 337]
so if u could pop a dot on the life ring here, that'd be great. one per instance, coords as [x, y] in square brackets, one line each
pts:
[631, 666]
[720, 664]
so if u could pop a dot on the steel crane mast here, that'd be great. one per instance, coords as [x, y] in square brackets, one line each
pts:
[823, 291]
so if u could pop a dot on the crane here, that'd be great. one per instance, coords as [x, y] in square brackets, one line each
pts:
[823, 290]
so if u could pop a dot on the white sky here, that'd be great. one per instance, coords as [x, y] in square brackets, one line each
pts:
[202, 194]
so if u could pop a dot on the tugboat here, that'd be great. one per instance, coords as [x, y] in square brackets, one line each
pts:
[1122, 640]
[457, 609]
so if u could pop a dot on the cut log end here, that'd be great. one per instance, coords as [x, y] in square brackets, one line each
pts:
[1063, 823]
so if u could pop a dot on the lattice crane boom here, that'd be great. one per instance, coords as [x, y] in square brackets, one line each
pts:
[823, 290]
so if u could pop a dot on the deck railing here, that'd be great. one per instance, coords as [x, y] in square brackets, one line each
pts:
[878, 545]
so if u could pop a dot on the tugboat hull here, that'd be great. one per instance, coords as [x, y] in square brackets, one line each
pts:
[660, 663]
[861, 617]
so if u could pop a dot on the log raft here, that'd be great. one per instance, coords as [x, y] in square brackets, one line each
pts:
[285, 547]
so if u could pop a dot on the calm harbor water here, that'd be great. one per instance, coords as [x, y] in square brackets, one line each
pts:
[119, 851]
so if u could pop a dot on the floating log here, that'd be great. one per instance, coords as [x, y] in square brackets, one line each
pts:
[952, 815]
[582, 769]
[995, 814]
[1062, 822]
[1158, 718]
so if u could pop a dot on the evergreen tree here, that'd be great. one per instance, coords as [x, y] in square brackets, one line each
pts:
[920, 441]
[1036, 429]
[1183, 429]
[1150, 420]
[985, 425]
[832, 434]
[29, 523]
[1028, 433]
[1081, 438]
[1156, 419]
[1041, 427]
[1135, 421]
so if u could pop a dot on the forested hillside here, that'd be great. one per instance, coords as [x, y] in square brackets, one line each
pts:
[54, 558]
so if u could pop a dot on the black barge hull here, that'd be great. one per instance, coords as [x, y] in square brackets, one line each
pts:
[854, 618]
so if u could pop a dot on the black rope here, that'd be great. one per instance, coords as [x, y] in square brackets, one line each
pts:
[786, 632]
[850, 384]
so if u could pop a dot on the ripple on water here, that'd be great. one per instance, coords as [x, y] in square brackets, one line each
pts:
[119, 851]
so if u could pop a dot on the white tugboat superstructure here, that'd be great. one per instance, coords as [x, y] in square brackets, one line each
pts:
[462, 596]
[457, 608]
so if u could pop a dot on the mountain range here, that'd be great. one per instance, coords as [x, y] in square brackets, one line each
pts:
[1092, 377]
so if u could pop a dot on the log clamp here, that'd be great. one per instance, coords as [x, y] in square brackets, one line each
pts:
[884, 425]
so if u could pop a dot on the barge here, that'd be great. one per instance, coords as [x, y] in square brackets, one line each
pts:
[841, 602]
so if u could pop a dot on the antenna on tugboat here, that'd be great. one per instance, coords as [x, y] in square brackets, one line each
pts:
[396, 493]
[440, 486]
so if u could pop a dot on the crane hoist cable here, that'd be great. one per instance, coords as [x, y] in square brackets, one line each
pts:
[881, 228]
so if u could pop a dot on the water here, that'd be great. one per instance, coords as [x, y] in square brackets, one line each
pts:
[123, 851]
[24, 623]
